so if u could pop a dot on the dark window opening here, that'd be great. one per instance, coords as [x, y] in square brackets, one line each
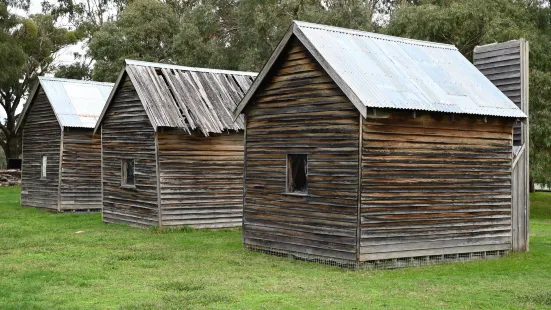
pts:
[297, 173]
[128, 172]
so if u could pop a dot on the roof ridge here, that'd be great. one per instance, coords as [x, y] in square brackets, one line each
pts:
[186, 68]
[49, 78]
[374, 35]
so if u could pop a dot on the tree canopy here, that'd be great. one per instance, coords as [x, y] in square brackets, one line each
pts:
[241, 35]
[28, 46]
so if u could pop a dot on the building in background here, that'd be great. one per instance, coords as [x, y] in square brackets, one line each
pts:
[172, 155]
[60, 156]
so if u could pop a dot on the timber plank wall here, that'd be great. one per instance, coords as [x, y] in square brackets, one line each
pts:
[127, 133]
[302, 111]
[81, 170]
[431, 184]
[41, 136]
[434, 185]
[201, 178]
[501, 64]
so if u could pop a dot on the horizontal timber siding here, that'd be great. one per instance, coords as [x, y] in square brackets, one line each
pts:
[299, 109]
[127, 133]
[201, 179]
[81, 170]
[41, 136]
[434, 185]
[501, 64]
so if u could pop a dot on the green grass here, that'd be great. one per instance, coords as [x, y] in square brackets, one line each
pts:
[45, 264]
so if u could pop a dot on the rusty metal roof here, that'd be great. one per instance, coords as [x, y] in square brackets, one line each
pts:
[75, 103]
[187, 97]
[380, 71]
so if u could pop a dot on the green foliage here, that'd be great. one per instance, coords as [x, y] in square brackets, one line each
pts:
[27, 49]
[469, 23]
[144, 31]
[212, 33]
[540, 126]
[44, 264]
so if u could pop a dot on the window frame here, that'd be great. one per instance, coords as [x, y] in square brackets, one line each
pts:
[43, 167]
[124, 175]
[288, 175]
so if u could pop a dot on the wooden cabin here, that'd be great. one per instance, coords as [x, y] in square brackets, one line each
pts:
[172, 154]
[61, 158]
[367, 149]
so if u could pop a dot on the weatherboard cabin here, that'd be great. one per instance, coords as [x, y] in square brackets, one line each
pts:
[365, 149]
[172, 154]
[61, 158]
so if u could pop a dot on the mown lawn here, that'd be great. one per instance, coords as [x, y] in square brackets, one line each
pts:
[46, 264]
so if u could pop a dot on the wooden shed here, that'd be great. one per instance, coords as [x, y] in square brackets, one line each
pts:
[367, 149]
[61, 158]
[172, 155]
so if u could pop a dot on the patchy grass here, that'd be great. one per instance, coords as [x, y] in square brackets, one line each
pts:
[44, 264]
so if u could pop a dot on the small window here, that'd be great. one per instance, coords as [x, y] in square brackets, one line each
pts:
[297, 173]
[43, 166]
[128, 172]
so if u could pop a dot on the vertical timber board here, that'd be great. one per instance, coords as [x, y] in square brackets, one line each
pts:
[299, 109]
[128, 134]
[359, 220]
[525, 79]
[507, 65]
[101, 168]
[59, 181]
[201, 178]
[41, 137]
[434, 184]
[158, 177]
[244, 176]
[80, 185]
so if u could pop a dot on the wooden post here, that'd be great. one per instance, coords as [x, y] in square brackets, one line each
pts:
[359, 222]
[158, 175]
[60, 168]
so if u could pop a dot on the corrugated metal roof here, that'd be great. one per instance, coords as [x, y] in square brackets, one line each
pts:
[76, 103]
[380, 71]
[189, 98]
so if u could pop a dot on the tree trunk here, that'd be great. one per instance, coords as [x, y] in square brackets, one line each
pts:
[532, 185]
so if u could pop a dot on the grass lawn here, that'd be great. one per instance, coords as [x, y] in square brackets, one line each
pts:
[45, 264]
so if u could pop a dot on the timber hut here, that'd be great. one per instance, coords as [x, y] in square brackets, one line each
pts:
[61, 158]
[172, 155]
[367, 149]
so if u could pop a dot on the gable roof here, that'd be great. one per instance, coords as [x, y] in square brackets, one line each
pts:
[380, 71]
[186, 97]
[76, 103]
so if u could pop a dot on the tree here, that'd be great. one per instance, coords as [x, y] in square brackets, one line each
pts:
[86, 17]
[27, 48]
[144, 31]
[469, 23]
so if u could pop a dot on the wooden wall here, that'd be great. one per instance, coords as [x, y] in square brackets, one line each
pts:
[41, 136]
[127, 133]
[434, 185]
[506, 65]
[501, 64]
[301, 110]
[201, 179]
[81, 170]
